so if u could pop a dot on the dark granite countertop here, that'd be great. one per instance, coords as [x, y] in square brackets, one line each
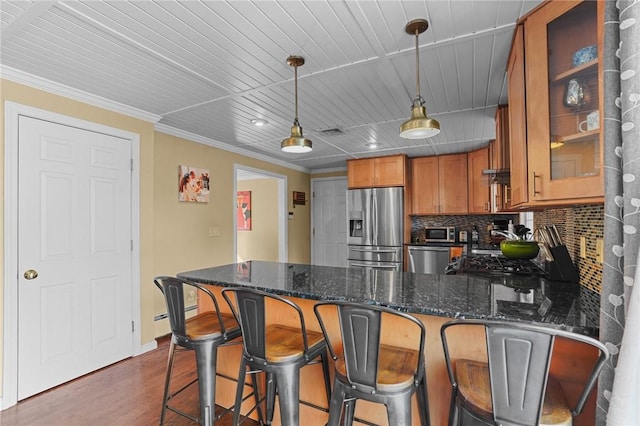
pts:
[504, 297]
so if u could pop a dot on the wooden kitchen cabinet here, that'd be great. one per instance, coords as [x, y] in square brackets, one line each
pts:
[517, 120]
[562, 153]
[500, 163]
[478, 183]
[377, 172]
[439, 185]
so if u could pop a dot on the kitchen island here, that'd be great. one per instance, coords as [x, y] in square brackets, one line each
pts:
[434, 299]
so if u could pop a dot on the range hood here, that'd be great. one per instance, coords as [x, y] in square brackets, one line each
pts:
[499, 176]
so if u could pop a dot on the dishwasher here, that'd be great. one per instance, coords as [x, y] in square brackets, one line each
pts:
[428, 259]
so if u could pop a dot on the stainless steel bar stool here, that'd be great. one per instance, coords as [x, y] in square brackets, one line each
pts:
[275, 349]
[514, 386]
[368, 368]
[204, 333]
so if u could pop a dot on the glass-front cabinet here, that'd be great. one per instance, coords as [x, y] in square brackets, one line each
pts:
[563, 50]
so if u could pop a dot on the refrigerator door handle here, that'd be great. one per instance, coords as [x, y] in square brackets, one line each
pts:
[373, 266]
[374, 217]
[373, 251]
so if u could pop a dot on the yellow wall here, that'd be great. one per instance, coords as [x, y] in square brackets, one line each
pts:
[181, 230]
[261, 242]
[174, 236]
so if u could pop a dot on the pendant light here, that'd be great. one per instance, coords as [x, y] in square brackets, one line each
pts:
[296, 143]
[419, 126]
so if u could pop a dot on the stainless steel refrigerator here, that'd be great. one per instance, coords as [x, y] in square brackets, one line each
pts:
[375, 219]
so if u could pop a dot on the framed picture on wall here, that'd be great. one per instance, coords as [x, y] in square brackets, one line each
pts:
[193, 184]
[243, 210]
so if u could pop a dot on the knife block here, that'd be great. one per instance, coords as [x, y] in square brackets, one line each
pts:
[562, 267]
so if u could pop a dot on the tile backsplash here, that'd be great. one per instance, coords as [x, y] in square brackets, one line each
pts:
[572, 222]
[575, 222]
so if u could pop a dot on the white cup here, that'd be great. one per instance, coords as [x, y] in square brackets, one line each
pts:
[591, 123]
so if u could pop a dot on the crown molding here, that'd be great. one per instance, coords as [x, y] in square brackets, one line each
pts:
[328, 170]
[27, 79]
[163, 128]
[75, 94]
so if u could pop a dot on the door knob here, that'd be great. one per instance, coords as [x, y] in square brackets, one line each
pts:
[30, 274]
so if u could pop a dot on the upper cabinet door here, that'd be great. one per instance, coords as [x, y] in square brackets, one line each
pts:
[390, 171]
[517, 120]
[360, 173]
[479, 201]
[452, 177]
[424, 182]
[563, 41]
[377, 172]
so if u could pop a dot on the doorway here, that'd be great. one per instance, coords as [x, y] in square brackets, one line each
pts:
[71, 283]
[260, 216]
[329, 221]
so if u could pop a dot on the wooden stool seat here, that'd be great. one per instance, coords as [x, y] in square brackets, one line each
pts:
[202, 333]
[474, 388]
[513, 385]
[277, 350]
[207, 325]
[368, 368]
[396, 367]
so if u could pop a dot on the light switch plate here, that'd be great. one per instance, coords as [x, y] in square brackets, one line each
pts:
[214, 231]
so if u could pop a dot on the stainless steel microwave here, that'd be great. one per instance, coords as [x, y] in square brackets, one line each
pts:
[440, 234]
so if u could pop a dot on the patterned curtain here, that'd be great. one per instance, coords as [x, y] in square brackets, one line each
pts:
[619, 384]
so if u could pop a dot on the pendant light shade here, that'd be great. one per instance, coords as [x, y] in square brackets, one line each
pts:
[296, 143]
[419, 126]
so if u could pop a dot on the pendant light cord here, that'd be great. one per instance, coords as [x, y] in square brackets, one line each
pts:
[295, 85]
[417, 67]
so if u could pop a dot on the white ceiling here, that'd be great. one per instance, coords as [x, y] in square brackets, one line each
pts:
[203, 69]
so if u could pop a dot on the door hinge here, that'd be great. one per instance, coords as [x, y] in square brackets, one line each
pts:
[132, 164]
[131, 245]
[133, 327]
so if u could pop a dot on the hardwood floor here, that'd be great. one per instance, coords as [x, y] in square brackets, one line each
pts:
[126, 393]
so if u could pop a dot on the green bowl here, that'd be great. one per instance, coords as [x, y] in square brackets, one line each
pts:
[519, 249]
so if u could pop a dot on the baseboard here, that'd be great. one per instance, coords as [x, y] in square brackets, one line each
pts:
[149, 346]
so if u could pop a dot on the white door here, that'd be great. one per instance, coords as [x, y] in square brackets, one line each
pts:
[74, 231]
[330, 222]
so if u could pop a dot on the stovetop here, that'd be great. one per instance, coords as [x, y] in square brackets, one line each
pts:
[499, 265]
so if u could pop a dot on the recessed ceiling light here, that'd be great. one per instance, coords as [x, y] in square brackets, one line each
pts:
[259, 122]
[371, 145]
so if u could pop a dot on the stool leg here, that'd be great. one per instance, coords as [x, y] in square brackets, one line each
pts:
[256, 397]
[167, 380]
[349, 411]
[288, 384]
[423, 402]
[399, 410]
[270, 400]
[239, 390]
[206, 355]
[327, 378]
[335, 406]
[454, 413]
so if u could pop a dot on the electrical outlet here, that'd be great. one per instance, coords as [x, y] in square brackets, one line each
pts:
[191, 296]
[214, 231]
[599, 250]
[583, 247]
